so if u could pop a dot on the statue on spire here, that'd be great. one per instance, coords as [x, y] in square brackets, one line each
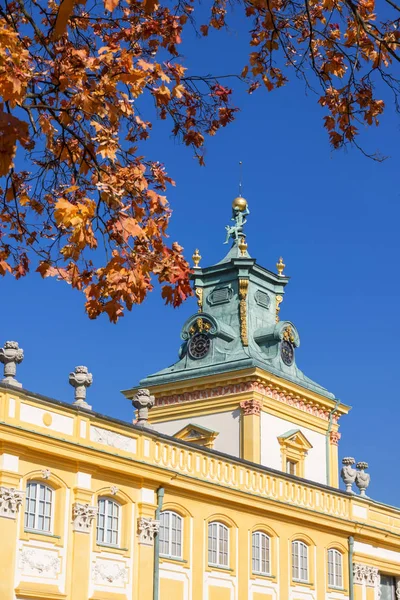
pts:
[240, 211]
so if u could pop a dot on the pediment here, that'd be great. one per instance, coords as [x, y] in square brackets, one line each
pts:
[197, 435]
[295, 438]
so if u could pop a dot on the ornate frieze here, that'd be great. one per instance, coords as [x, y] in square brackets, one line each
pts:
[10, 501]
[83, 515]
[243, 289]
[251, 407]
[38, 561]
[109, 572]
[113, 439]
[367, 574]
[249, 386]
[147, 528]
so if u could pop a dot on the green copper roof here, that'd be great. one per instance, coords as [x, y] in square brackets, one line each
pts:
[222, 320]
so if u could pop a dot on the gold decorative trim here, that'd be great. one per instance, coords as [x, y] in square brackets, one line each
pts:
[200, 326]
[196, 258]
[243, 289]
[278, 301]
[280, 265]
[242, 246]
[199, 294]
[288, 334]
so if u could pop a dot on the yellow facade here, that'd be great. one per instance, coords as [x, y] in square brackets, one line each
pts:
[86, 459]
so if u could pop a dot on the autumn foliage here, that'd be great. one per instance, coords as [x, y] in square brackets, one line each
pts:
[80, 200]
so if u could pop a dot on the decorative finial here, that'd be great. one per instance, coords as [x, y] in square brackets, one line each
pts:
[280, 265]
[196, 258]
[362, 478]
[81, 379]
[348, 474]
[143, 401]
[11, 355]
[242, 246]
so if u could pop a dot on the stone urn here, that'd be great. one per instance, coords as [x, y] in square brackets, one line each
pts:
[362, 478]
[348, 474]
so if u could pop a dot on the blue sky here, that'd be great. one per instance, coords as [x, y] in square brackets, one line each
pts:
[333, 216]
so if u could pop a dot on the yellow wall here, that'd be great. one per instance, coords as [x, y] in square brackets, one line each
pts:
[129, 465]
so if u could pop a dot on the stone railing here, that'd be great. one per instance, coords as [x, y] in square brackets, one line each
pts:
[57, 420]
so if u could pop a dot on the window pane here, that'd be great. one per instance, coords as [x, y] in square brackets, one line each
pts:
[212, 543]
[387, 588]
[107, 522]
[295, 560]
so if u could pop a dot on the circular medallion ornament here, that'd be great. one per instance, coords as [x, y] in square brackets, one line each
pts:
[287, 353]
[199, 345]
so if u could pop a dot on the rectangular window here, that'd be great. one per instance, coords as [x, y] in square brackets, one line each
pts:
[38, 507]
[260, 556]
[299, 561]
[107, 522]
[387, 588]
[291, 467]
[335, 569]
[218, 545]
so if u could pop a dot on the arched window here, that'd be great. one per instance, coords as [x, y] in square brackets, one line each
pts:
[108, 522]
[170, 534]
[261, 553]
[218, 545]
[299, 561]
[38, 507]
[335, 568]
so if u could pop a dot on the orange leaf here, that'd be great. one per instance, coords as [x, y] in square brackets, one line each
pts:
[149, 6]
[111, 4]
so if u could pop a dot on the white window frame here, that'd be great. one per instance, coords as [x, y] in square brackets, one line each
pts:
[37, 513]
[300, 563]
[335, 570]
[221, 531]
[257, 539]
[172, 537]
[108, 502]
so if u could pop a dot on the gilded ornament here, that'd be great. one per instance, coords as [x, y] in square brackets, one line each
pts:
[278, 301]
[243, 289]
[240, 211]
[242, 246]
[288, 334]
[199, 294]
[280, 265]
[196, 258]
[200, 326]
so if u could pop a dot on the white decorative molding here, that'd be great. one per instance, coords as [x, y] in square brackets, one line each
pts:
[113, 439]
[46, 473]
[37, 561]
[109, 573]
[114, 490]
[10, 501]
[147, 528]
[367, 574]
[83, 515]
